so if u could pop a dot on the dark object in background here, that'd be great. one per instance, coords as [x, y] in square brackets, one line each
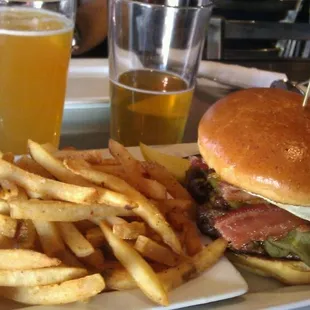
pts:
[263, 10]
[100, 51]
[271, 12]
[287, 85]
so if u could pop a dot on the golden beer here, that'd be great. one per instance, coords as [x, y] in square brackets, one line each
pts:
[35, 48]
[149, 106]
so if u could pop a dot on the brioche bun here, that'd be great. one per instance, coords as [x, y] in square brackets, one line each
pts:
[259, 140]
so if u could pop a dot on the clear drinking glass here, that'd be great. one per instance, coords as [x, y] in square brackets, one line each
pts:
[155, 50]
[35, 49]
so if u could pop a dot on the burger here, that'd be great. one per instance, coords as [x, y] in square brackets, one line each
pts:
[252, 182]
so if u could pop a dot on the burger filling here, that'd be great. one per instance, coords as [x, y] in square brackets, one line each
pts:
[250, 224]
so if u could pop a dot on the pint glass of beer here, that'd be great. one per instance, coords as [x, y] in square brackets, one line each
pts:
[35, 49]
[155, 47]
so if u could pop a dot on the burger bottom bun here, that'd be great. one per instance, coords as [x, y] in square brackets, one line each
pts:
[289, 272]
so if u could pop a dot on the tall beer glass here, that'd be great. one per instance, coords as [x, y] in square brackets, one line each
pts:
[155, 50]
[35, 49]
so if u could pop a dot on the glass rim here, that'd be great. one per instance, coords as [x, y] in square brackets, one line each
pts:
[210, 4]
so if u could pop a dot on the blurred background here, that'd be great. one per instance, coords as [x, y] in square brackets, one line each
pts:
[251, 29]
[267, 34]
[271, 35]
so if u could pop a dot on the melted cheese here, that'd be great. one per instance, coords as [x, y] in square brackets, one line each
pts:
[300, 211]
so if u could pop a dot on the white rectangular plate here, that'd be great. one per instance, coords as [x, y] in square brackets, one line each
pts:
[222, 281]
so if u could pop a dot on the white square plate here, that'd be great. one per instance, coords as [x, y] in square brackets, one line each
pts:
[220, 282]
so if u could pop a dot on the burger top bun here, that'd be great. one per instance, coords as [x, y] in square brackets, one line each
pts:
[259, 140]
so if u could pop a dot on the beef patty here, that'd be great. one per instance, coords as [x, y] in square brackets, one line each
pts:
[212, 204]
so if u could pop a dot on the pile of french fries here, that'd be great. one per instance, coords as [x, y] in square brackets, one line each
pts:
[74, 224]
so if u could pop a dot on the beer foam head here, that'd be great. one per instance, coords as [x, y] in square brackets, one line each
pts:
[32, 22]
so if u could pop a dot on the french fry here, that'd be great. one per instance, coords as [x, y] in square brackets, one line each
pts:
[170, 205]
[58, 211]
[135, 172]
[154, 251]
[8, 190]
[49, 147]
[162, 207]
[117, 278]
[42, 276]
[28, 164]
[88, 214]
[66, 292]
[154, 235]
[185, 271]
[146, 210]
[178, 204]
[129, 231]
[192, 239]
[56, 168]
[124, 158]
[187, 207]
[6, 243]
[77, 243]
[4, 208]
[112, 265]
[26, 235]
[163, 176]
[176, 165]
[153, 189]
[95, 237]
[181, 237]
[46, 188]
[8, 226]
[18, 259]
[95, 157]
[183, 224]
[95, 260]
[69, 260]
[143, 274]
[114, 220]
[120, 279]
[177, 219]
[209, 255]
[158, 267]
[84, 225]
[50, 239]
[66, 148]
[9, 157]
[114, 199]
[21, 195]
[116, 170]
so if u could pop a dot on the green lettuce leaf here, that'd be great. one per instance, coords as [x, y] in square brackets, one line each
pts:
[295, 242]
